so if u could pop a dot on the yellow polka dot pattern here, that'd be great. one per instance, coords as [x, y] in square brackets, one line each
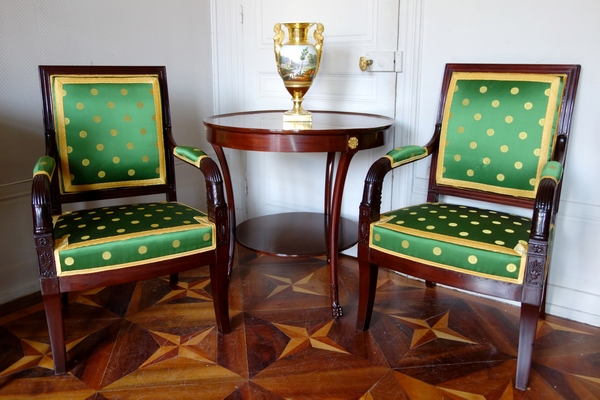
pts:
[120, 236]
[478, 241]
[494, 133]
[107, 133]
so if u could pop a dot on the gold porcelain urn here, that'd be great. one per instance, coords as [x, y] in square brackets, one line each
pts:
[298, 62]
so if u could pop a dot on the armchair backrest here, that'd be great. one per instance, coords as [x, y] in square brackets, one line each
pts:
[108, 128]
[498, 127]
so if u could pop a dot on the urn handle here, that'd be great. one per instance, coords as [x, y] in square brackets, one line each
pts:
[363, 63]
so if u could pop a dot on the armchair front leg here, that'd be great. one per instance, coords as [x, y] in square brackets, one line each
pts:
[218, 213]
[534, 284]
[41, 205]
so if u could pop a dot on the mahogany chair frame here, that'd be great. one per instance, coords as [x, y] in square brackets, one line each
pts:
[47, 201]
[531, 294]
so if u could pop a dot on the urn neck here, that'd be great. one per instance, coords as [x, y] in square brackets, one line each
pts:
[298, 31]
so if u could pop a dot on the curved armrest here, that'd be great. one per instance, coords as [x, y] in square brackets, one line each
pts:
[370, 206]
[43, 227]
[552, 170]
[544, 201]
[215, 199]
[189, 154]
[374, 180]
[540, 236]
[405, 155]
[45, 165]
[215, 195]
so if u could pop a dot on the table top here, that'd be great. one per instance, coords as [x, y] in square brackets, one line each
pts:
[328, 131]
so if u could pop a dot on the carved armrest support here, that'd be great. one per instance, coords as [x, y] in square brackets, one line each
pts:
[215, 199]
[544, 202]
[41, 207]
[370, 206]
[536, 266]
[215, 195]
[41, 199]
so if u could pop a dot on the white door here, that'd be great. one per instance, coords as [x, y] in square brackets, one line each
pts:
[280, 182]
[247, 79]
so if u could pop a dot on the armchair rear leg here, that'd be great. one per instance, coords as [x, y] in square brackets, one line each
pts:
[65, 300]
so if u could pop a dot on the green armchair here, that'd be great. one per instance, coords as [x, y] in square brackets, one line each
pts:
[500, 138]
[108, 136]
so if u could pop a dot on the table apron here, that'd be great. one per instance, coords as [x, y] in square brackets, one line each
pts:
[296, 142]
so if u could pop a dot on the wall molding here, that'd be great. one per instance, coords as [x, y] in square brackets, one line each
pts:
[15, 190]
[408, 95]
[228, 87]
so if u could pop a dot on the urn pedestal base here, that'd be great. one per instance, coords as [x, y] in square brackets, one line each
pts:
[293, 116]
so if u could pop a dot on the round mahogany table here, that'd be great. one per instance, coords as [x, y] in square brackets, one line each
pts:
[299, 234]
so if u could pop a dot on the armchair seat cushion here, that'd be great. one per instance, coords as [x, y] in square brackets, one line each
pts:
[466, 239]
[123, 236]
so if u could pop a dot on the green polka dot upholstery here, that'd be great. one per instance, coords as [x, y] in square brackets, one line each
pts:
[552, 170]
[498, 131]
[189, 154]
[122, 236]
[45, 165]
[466, 239]
[108, 131]
[403, 155]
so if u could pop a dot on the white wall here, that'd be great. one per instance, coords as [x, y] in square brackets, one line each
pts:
[176, 34]
[535, 31]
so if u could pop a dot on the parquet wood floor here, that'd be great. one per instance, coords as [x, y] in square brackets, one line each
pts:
[153, 341]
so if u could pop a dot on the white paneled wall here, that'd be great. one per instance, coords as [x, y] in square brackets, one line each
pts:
[176, 34]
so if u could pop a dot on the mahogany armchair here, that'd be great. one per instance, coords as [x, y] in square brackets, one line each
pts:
[500, 138]
[108, 136]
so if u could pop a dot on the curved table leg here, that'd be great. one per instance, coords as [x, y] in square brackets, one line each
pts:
[328, 191]
[338, 190]
[230, 204]
[328, 182]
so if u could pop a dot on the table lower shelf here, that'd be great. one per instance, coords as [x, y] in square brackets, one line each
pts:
[295, 234]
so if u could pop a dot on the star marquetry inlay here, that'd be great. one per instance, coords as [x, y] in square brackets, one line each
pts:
[300, 339]
[36, 354]
[186, 346]
[195, 290]
[302, 285]
[423, 332]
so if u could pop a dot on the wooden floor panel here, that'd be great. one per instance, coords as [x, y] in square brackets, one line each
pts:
[151, 340]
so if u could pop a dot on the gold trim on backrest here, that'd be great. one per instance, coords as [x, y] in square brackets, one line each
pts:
[58, 82]
[543, 152]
